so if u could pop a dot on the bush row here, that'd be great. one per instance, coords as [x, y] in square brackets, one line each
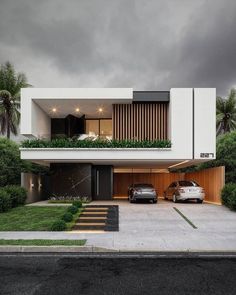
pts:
[98, 143]
[60, 224]
[12, 196]
[228, 196]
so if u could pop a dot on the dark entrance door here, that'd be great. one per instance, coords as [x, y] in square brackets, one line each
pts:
[102, 182]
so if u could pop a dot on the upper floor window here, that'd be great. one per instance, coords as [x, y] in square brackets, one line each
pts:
[101, 127]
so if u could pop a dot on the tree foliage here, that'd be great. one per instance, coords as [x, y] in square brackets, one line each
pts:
[10, 86]
[10, 162]
[226, 113]
[11, 165]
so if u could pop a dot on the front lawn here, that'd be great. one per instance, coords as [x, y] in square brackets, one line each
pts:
[28, 218]
[37, 242]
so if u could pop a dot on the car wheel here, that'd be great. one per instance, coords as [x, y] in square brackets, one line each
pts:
[174, 199]
[165, 197]
[199, 201]
[131, 200]
[154, 201]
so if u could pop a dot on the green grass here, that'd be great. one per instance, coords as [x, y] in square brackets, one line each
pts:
[28, 218]
[43, 242]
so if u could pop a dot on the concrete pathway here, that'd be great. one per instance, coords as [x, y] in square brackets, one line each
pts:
[157, 227]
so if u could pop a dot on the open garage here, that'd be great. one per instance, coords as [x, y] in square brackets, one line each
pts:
[212, 180]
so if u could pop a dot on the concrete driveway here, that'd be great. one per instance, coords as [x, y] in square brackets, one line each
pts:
[158, 227]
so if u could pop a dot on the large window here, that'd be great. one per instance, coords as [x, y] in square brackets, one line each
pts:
[101, 127]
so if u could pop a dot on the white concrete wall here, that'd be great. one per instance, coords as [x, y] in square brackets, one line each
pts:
[204, 123]
[41, 122]
[34, 121]
[78, 93]
[181, 123]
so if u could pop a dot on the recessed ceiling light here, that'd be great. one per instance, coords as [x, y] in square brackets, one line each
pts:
[77, 110]
[54, 110]
[100, 110]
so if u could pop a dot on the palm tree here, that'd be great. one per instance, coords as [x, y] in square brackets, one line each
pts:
[10, 85]
[226, 113]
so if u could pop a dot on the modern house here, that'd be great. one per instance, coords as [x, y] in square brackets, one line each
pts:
[183, 119]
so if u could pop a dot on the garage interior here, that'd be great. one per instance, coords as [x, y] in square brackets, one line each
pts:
[212, 180]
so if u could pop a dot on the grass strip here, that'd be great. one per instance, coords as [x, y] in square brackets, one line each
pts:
[38, 242]
[184, 217]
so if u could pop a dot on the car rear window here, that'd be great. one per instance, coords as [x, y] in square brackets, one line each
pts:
[187, 183]
[143, 185]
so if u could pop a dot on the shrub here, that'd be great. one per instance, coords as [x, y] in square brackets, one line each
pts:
[228, 195]
[77, 204]
[5, 201]
[17, 194]
[72, 209]
[58, 225]
[232, 200]
[67, 217]
[10, 162]
[226, 192]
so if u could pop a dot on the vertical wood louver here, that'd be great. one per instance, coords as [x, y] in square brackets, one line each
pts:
[140, 121]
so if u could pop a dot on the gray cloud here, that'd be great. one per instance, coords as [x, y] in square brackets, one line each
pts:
[145, 44]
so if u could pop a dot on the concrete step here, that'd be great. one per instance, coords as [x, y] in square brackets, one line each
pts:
[95, 209]
[90, 223]
[94, 213]
[92, 217]
[89, 227]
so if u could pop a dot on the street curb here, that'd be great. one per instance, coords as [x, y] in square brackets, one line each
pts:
[91, 251]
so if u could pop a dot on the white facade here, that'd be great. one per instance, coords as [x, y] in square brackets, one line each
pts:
[191, 126]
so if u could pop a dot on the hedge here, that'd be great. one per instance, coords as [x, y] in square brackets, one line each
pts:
[17, 194]
[5, 201]
[228, 195]
[98, 143]
[11, 196]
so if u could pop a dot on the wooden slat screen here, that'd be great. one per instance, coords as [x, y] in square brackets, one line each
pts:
[140, 121]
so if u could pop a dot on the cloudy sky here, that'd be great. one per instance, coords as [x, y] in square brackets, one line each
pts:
[144, 44]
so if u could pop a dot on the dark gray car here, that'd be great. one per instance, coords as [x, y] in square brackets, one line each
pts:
[142, 191]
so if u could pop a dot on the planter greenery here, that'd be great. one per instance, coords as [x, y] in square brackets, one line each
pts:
[68, 199]
[99, 143]
[228, 195]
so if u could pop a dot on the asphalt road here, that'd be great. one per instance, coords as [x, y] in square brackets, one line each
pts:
[58, 274]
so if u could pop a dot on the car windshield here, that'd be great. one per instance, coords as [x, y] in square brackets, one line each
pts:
[143, 185]
[187, 183]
